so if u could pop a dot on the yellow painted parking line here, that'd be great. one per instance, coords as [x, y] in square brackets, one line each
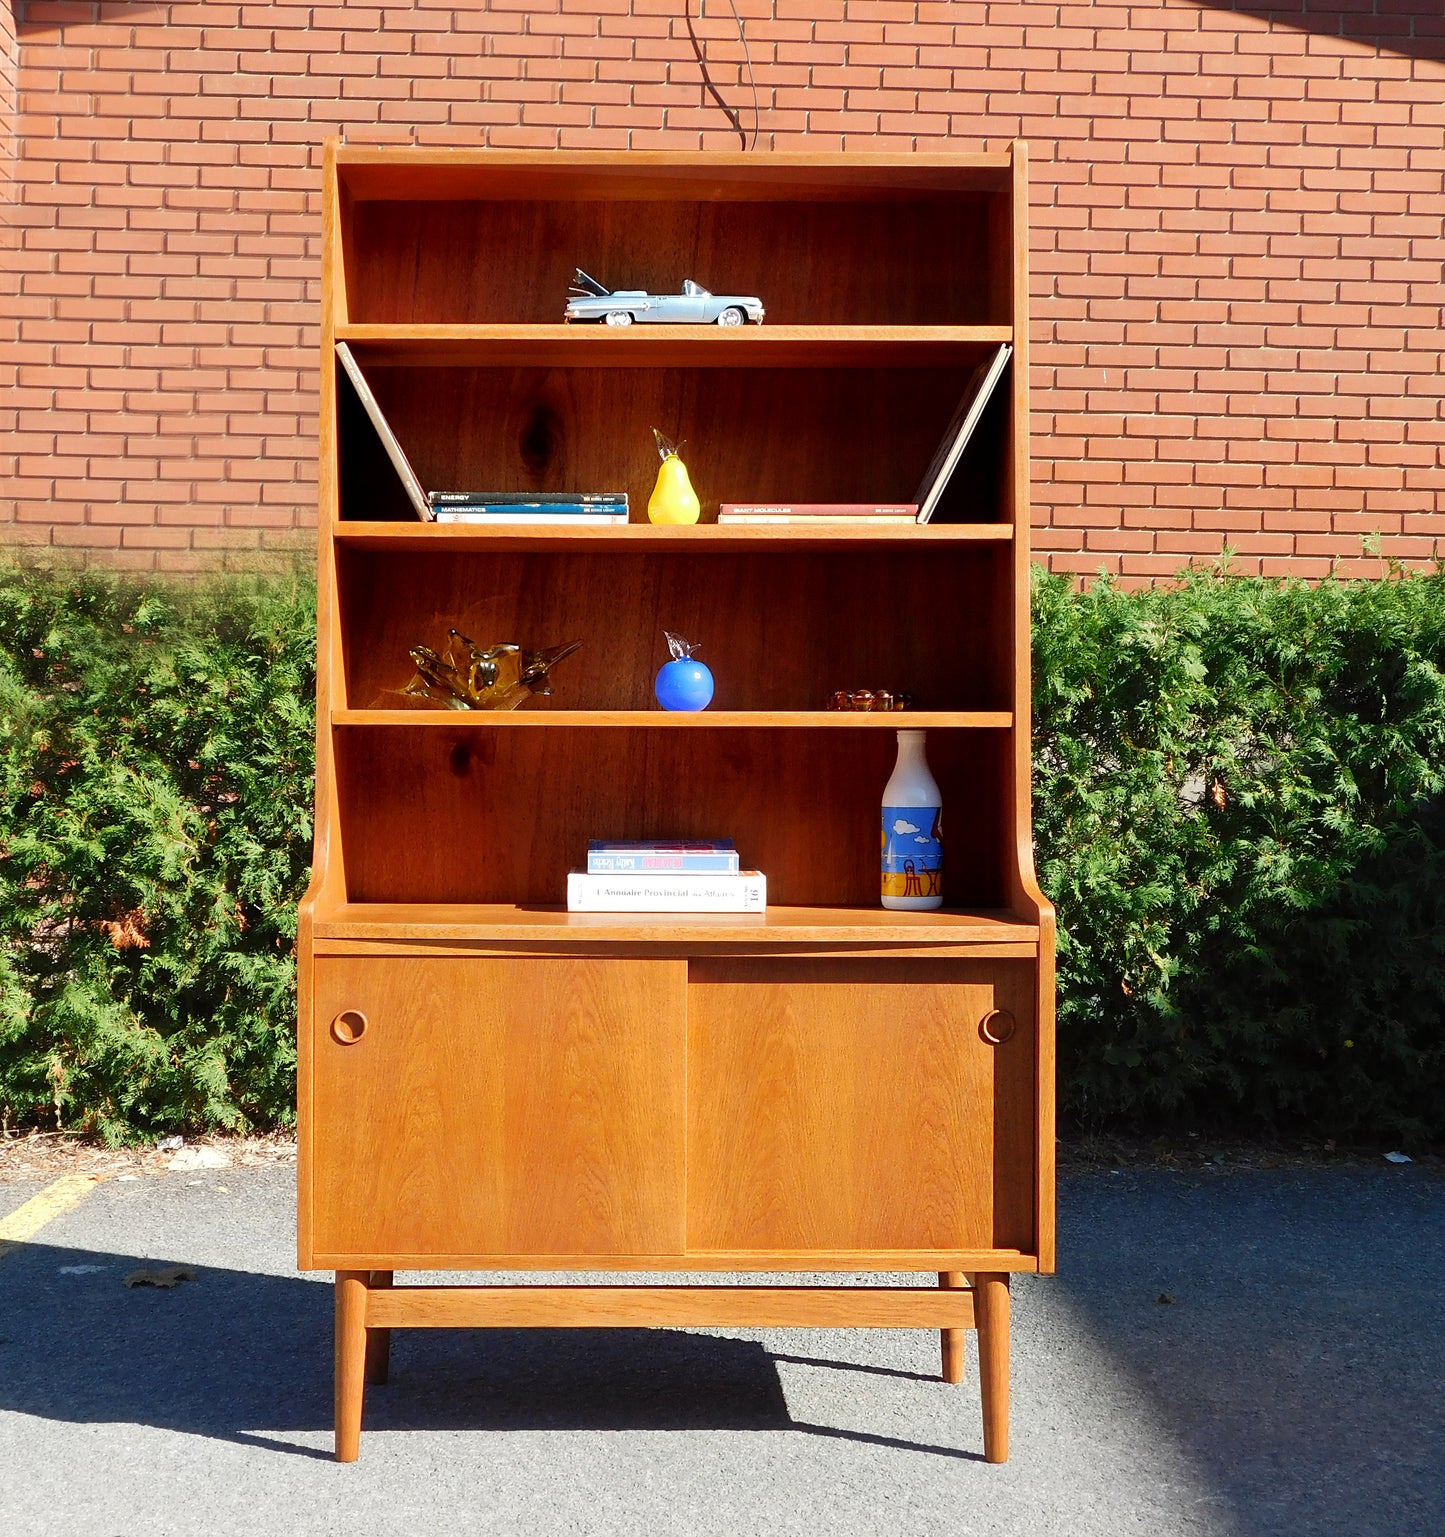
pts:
[59, 1196]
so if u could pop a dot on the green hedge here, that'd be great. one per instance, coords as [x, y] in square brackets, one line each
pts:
[155, 827]
[1239, 816]
[1238, 808]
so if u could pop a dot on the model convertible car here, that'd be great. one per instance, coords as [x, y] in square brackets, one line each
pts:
[694, 305]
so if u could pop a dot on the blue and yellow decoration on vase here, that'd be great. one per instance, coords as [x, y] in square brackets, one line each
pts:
[913, 853]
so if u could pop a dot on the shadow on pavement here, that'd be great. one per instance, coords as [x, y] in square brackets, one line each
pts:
[244, 1357]
[1300, 1361]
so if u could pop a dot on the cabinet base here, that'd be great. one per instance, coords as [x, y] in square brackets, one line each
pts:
[369, 1306]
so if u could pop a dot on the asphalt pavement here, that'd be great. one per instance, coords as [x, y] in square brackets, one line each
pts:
[1292, 1387]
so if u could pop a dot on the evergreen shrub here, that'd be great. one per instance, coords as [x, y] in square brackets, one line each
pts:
[1239, 816]
[1238, 804]
[156, 751]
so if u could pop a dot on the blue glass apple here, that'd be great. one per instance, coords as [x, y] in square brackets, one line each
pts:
[683, 683]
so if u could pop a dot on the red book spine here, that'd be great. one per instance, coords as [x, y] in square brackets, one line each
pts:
[818, 510]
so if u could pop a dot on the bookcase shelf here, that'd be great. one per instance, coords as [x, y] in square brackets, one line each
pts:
[665, 720]
[778, 927]
[489, 1082]
[376, 175]
[670, 346]
[634, 537]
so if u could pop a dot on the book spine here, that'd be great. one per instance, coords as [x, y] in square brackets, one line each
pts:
[528, 498]
[960, 429]
[511, 515]
[646, 864]
[746, 892]
[750, 519]
[818, 509]
[561, 509]
[394, 451]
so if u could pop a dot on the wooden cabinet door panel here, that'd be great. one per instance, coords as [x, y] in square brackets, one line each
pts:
[500, 1107]
[843, 1105]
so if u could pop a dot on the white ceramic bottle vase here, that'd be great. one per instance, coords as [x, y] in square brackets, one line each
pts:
[912, 830]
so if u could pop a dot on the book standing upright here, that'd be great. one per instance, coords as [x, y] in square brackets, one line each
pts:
[488, 1082]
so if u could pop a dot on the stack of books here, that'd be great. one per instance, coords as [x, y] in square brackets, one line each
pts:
[817, 512]
[655, 877]
[570, 507]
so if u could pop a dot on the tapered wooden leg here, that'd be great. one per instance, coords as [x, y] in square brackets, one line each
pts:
[952, 1280]
[378, 1341]
[991, 1312]
[350, 1361]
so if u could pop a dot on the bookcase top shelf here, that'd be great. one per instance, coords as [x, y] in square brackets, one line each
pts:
[652, 539]
[808, 720]
[411, 175]
[582, 346]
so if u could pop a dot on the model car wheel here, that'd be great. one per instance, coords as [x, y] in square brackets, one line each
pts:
[618, 318]
[731, 316]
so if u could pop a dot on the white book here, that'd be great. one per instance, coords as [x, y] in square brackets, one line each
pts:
[745, 892]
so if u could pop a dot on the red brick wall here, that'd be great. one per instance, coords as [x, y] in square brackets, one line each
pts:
[1237, 248]
[9, 66]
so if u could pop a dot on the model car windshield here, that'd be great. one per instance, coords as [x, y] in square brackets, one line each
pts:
[694, 290]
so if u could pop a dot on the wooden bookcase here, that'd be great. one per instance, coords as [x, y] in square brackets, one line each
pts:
[489, 1083]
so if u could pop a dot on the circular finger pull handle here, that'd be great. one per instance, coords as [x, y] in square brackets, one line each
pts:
[997, 1026]
[349, 1026]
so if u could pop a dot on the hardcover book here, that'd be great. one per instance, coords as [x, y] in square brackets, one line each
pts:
[955, 439]
[667, 892]
[751, 522]
[777, 511]
[377, 417]
[565, 499]
[605, 858]
[518, 513]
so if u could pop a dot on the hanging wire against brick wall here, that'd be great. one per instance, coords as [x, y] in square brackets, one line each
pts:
[707, 80]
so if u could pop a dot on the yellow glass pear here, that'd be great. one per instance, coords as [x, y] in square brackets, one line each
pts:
[673, 500]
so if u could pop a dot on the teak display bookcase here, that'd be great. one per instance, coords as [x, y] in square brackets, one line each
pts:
[489, 1083]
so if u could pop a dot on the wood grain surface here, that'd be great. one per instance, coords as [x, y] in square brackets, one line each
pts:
[876, 539]
[500, 817]
[919, 261]
[387, 173]
[951, 1341]
[499, 1107]
[549, 345]
[991, 1306]
[588, 1307]
[720, 1261]
[393, 927]
[349, 1387]
[659, 719]
[780, 631]
[749, 435]
[843, 1104]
